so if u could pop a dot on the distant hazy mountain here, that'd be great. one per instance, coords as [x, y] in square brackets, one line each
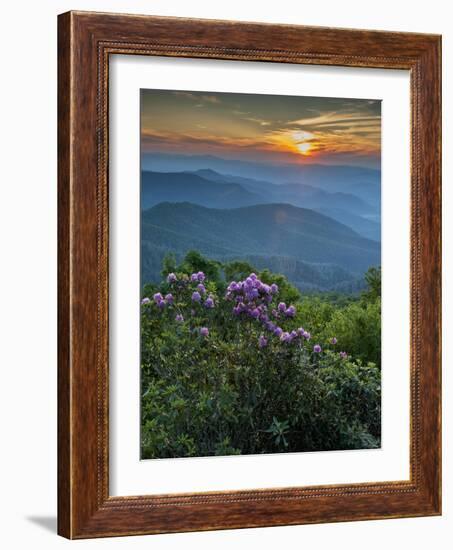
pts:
[267, 230]
[363, 226]
[209, 188]
[311, 197]
[319, 175]
[355, 209]
[251, 184]
[305, 196]
[159, 187]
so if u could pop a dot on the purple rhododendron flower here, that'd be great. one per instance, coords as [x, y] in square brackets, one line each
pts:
[252, 296]
[254, 293]
[274, 288]
[194, 277]
[171, 278]
[201, 288]
[196, 297]
[291, 311]
[285, 337]
[179, 318]
[262, 341]
[209, 303]
[255, 313]
[201, 276]
[161, 304]
[146, 301]
[300, 332]
[169, 298]
[282, 307]
[333, 340]
[307, 335]
[317, 348]
[278, 331]
[204, 331]
[158, 297]
[343, 355]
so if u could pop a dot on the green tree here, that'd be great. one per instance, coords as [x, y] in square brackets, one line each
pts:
[194, 262]
[287, 292]
[168, 264]
[373, 280]
[357, 328]
[237, 270]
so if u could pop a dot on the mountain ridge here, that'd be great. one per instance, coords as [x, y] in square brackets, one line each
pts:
[265, 230]
[225, 191]
[168, 162]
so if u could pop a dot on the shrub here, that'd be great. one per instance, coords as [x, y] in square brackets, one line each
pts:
[358, 328]
[231, 369]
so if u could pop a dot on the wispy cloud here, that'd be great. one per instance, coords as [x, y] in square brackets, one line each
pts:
[259, 121]
[332, 120]
[197, 97]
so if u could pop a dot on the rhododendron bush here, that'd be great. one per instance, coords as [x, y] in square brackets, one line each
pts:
[231, 367]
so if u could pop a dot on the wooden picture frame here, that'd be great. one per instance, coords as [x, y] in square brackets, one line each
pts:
[85, 42]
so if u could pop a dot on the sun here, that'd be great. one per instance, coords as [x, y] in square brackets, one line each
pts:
[304, 147]
[299, 142]
[302, 141]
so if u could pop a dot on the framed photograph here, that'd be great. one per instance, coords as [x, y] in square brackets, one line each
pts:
[249, 275]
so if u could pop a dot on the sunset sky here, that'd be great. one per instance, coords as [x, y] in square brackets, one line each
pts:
[267, 128]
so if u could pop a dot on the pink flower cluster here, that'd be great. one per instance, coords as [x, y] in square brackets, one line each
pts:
[160, 301]
[252, 298]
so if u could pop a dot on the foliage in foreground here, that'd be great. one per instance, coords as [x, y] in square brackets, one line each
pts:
[250, 367]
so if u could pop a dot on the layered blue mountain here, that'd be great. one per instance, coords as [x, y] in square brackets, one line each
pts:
[293, 193]
[209, 188]
[307, 246]
[159, 187]
[360, 181]
[369, 228]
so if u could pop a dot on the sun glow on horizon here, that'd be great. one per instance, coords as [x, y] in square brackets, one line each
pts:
[303, 141]
[304, 148]
[299, 142]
